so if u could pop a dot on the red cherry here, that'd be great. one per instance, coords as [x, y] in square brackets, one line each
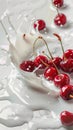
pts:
[61, 80]
[68, 54]
[60, 20]
[50, 63]
[67, 65]
[41, 62]
[66, 118]
[50, 73]
[39, 24]
[27, 66]
[57, 61]
[66, 92]
[58, 3]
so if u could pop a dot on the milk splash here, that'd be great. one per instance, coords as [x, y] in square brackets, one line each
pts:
[27, 102]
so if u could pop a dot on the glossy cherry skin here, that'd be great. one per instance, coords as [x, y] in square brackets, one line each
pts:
[67, 65]
[58, 3]
[60, 20]
[40, 61]
[56, 61]
[39, 24]
[66, 91]
[68, 54]
[27, 66]
[61, 80]
[50, 73]
[66, 118]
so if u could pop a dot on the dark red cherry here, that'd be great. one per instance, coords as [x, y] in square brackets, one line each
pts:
[68, 54]
[60, 20]
[39, 24]
[27, 66]
[50, 63]
[41, 62]
[66, 118]
[67, 92]
[57, 61]
[67, 65]
[50, 73]
[61, 80]
[58, 3]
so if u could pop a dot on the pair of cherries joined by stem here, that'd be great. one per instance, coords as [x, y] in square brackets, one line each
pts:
[67, 59]
[50, 66]
[59, 20]
[66, 65]
[61, 80]
[66, 92]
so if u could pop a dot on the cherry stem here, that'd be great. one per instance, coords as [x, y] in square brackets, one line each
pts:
[24, 36]
[71, 96]
[57, 11]
[34, 45]
[53, 64]
[45, 63]
[52, 3]
[47, 48]
[45, 44]
[46, 54]
[56, 67]
[59, 38]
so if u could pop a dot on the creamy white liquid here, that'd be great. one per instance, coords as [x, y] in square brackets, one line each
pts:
[28, 93]
[25, 99]
[26, 96]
